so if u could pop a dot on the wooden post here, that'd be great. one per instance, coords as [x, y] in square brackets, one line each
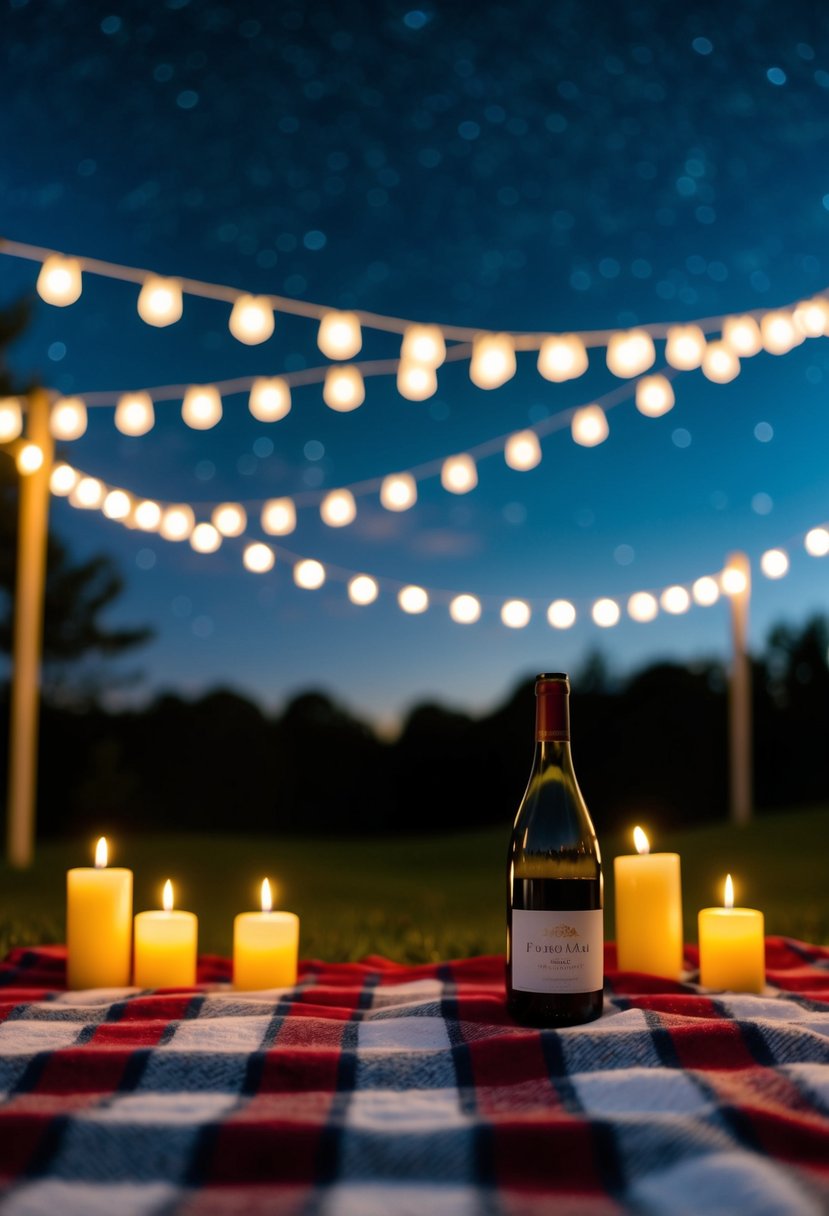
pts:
[741, 793]
[33, 505]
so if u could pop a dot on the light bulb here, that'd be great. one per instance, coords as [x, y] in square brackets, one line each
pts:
[705, 591]
[11, 419]
[654, 396]
[817, 542]
[201, 408]
[642, 607]
[117, 504]
[398, 492]
[812, 317]
[630, 353]
[252, 320]
[67, 418]
[270, 399]
[29, 459]
[88, 494]
[605, 613]
[205, 538]
[338, 509]
[561, 614]
[523, 451]
[147, 515]
[589, 426]
[423, 344]
[775, 563]
[362, 589]
[59, 280]
[278, 516]
[493, 360]
[779, 332]
[134, 414]
[562, 357]
[458, 474]
[675, 600]
[339, 335]
[742, 334]
[309, 574]
[160, 301]
[685, 347]
[177, 522]
[413, 600]
[416, 381]
[258, 558]
[733, 581]
[229, 518]
[465, 609]
[63, 479]
[343, 389]
[515, 614]
[719, 363]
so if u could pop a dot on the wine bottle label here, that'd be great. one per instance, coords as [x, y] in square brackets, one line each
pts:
[557, 951]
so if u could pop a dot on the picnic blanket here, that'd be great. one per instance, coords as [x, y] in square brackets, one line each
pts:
[376, 1089]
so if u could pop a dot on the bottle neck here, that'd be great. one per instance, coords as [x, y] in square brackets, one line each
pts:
[552, 716]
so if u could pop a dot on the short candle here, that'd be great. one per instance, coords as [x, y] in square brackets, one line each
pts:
[732, 951]
[165, 946]
[648, 910]
[265, 947]
[98, 924]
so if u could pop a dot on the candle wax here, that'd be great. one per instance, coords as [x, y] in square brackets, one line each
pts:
[265, 949]
[732, 952]
[165, 949]
[649, 913]
[98, 927]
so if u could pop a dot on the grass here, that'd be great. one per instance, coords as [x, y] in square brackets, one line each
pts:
[415, 899]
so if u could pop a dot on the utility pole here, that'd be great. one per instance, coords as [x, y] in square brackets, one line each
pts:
[741, 794]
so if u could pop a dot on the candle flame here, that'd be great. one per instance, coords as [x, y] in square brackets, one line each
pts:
[641, 841]
[728, 902]
[167, 897]
[267, 898]
[101, 857]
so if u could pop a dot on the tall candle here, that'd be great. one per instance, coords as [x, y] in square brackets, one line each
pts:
[165, 946]
[98, 924]
[265, 947]
[648, 910]
[732, 950]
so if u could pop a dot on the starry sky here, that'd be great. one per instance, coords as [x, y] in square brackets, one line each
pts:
[543, 167]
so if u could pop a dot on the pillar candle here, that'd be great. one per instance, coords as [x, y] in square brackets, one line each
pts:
[265, 947]
[98, 924]
[648, 910]
[165, 946]
[732, 952]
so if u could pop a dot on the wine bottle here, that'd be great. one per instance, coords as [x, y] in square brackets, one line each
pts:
[555, 940]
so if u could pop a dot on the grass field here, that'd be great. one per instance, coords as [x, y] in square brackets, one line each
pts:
[417, 898]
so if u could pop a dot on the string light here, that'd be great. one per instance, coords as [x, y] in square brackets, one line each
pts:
[278, 517]
[134, 414]
[117, 505]
[258, 558]
[675, 600]
[654, 396]
[779, 332]
[589, 426]
[465, 609]
[685, 347]
[413, 600]
[630, 353]
[642, 607]
[270, 399]
[733, 581]
[338, 509]
[339, 335]
[362, 589]
[251, 319]
[63, 479]
[416, 381]
[177, 522]
[562, 357]
[605, 612]
[743, 335]
[493, 360]
[398, 492]
[11, 419]
[515, 614]
[812, 317]
[160, 301]
[201, 408]
[424, 344]
[229, 518]
[705, 591]
[67, 418]
[205, 538]
[561, 614]
[774, 563]
[344, 389]
[817, 542]
[88, 493]
[719, 363]
[458, 474]
[29, 459]
[309, 574]
[59, 281]
[523, 451]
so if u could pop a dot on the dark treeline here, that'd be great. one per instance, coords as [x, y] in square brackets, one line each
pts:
[654, 745]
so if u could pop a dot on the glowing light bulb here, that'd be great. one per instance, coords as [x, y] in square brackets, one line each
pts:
[719, 363]
[493, 360]
[605, 613]
[338, 509]
[640, 841]
[398, 492]
[515, 614]
[67, 418]
[654, 396]
[465, 609]
[201, 408]
[589, 426]
[459, 474]
[705, 591]
[685, 347]
[779, 332]
[278, 516]
[59, 281]
[270, 399]
[775, 563]
[413, 600]
[29, 459]
[88, 494]
[733, 581]
[743, 335]
[561, 614]
[160, 301]
[63, 479]
[523, 451]
[675, 600]
[229, 518]
[339, 335]
[416, 381]
[11, 419]
[642, 607]
[812, 317]
[134, 414]
[177, 522]
[252, 320]
[423, 344]
[117, 504]
[362, 589]
[343, 389]
[562, 357]
[205, 538]
[630, 353]
[147, 515]
[817, 542]
[309, 574]
[258, 558]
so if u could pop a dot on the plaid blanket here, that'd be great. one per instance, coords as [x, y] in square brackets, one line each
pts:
[376, 1089]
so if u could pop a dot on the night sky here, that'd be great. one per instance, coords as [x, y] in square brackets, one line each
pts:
[543, 167]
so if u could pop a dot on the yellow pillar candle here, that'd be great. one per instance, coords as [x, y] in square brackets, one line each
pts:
[648, 910]
[265, 947]
[732, 948]
[98, 924]
[165, 946]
